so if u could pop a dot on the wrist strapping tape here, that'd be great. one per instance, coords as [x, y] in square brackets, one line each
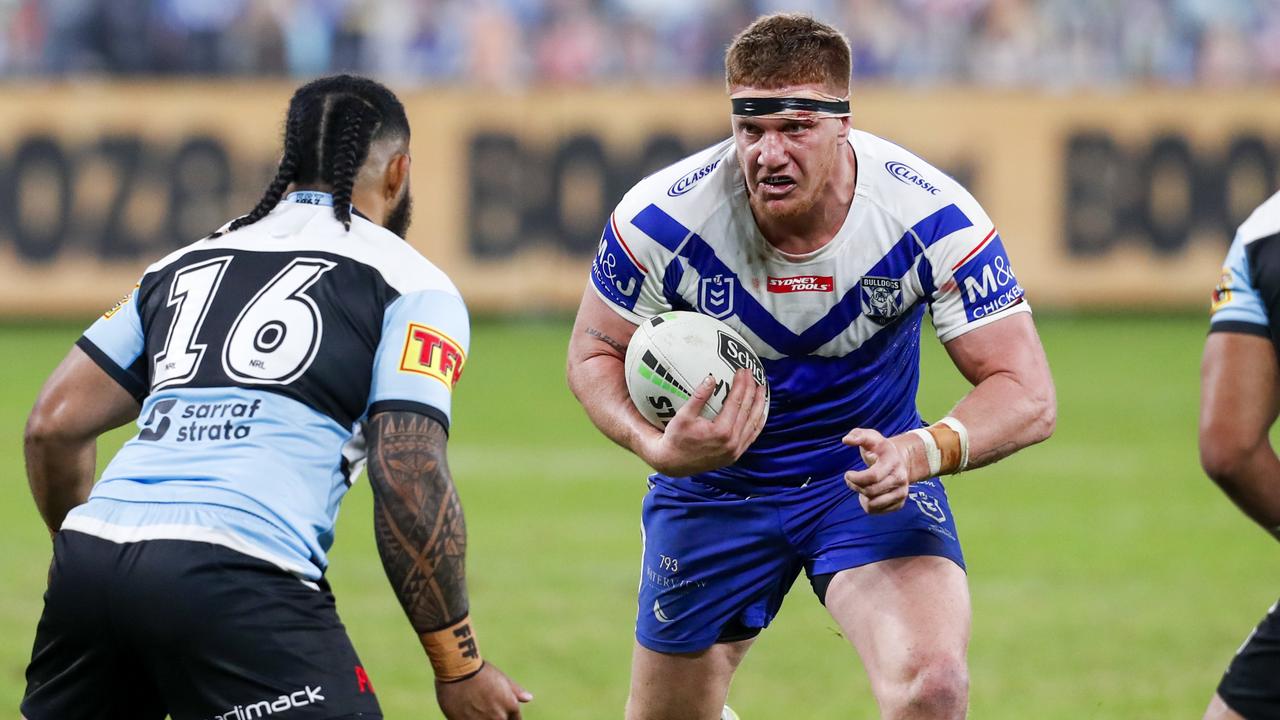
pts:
[963, 433]
[931, 452]
[453, 651]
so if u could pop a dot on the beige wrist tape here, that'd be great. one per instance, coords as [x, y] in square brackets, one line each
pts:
[946, 446]
[453, 651]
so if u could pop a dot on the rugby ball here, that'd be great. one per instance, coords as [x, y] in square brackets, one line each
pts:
[671, 353]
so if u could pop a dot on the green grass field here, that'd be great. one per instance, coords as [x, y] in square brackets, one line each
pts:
[1110, 578]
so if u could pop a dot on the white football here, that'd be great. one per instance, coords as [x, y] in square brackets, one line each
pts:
[671, 353]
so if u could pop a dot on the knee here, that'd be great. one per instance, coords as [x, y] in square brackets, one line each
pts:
[934, 688]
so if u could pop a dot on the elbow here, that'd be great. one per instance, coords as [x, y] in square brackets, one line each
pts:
[50, 424]
[1043, 418]
[1224, 457]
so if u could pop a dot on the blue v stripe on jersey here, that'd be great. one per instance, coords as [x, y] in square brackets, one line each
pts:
[671, 234]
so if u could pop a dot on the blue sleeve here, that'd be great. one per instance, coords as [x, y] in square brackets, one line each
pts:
[1237, 305]
[116, 343]
[425, 339]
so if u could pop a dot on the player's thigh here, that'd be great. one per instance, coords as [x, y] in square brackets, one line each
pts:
[904, 616]
[682, 686]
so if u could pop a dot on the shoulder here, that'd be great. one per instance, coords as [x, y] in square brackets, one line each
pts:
[911, 190]
[400, 264]
[688, 189]
[1263, 222]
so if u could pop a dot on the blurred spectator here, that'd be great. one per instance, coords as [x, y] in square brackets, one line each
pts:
[519, 43]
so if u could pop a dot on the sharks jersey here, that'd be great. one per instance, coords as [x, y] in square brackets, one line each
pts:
[837, 329]
[256, 356]
[1247, 299]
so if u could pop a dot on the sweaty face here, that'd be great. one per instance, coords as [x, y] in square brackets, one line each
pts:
[401, 215]
[787, 162]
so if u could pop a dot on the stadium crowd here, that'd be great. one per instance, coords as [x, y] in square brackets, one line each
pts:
[518, 43]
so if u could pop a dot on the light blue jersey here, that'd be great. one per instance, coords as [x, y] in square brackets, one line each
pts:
[257, 356]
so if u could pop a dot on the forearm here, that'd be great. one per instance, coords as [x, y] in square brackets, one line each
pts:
[1004, 415]
[420, 530]
[1252, 481]
[598, 383]
[60, 473]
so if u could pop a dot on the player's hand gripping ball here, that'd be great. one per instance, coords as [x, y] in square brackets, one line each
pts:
[671, 353]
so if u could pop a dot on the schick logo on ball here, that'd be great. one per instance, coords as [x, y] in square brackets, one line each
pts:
[715, 296]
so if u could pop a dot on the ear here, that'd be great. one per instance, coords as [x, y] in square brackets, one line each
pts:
[842, 136]
[395, 176]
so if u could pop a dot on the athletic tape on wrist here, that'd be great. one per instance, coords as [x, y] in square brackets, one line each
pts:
[453, 651]
[931, 452]
[963, 432]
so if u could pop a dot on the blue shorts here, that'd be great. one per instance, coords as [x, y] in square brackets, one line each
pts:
[718, 564]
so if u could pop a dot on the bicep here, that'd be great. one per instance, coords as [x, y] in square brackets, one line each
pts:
[1239, 390]
[598, 330]
[81, 400]
[406, 448]
[1008, 345]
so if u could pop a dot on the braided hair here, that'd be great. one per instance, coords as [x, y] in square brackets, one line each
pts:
[327, 133]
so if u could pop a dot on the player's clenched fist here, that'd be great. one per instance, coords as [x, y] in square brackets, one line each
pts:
[692, 444]
[488, 695]
[882, 487]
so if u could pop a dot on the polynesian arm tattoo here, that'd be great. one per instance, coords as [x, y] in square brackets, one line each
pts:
[421, 534]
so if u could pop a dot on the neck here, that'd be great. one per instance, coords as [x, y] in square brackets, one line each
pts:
[812, 230]
[370, 204]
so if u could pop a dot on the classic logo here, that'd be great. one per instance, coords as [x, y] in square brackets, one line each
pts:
[660, 615]
[881, 299]
[715, 296]
[430, 352]
[737, 355]
[906, 174]
[686, 183]
[802, 283]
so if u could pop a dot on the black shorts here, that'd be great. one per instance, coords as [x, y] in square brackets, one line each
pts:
[1251, 685]
[138, 631]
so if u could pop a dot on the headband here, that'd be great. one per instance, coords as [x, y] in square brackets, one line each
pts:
[802, 104]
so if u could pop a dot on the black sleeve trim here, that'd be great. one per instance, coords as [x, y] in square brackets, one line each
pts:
[127, 380]
[1240, 326]
[413, 407]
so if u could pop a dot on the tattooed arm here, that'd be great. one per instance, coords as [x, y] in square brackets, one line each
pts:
[421, 534]
[422, 539]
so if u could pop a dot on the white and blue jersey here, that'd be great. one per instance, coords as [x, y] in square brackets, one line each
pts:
[838, 329]
[257, 356]
[1247, 299]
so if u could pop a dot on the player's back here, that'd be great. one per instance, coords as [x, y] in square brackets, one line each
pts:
[256, 355]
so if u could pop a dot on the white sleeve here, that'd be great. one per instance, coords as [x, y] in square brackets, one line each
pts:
[628, 269]
[973, 279]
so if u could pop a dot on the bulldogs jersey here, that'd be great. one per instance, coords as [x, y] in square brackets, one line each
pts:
[1247, 299]
[256, 356]
[837, 329]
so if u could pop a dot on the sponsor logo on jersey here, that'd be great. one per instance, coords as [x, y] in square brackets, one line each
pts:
[266, 708]
[715, 296]
[881, 298]
[906, 174]
[802, 283]
[431, 352]
[660, 615]
[736, 355]
[199, 421]
[985, 280]
[119, 304]
[686, 183]
[616, 273]
[1221, 293]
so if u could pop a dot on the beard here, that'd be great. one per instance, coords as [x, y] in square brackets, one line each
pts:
[401, 216]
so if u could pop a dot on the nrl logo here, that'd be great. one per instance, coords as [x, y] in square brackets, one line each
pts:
[881, 299]
[715, 296]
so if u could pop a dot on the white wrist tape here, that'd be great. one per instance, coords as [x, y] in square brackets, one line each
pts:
[931, 452]
[963, 432]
